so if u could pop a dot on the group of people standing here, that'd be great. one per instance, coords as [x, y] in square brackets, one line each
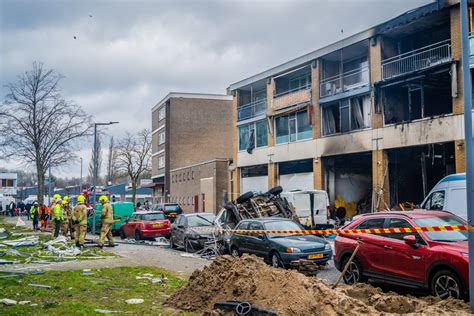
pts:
[72, 221]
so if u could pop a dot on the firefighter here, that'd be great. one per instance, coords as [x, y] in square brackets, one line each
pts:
[35, 215]
[107, 217]
[58, 216]
[44, 216]
[79, 219]
[69, 226]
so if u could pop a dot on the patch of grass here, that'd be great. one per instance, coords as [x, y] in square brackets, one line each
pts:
[73, 293]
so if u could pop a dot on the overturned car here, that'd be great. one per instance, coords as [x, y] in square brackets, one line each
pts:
[250, 205]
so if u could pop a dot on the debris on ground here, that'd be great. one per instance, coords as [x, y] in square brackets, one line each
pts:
[7, 301]
[105, 311]
[306, 267]
[135, 301]
[24, 302]
[160, 242]
[22, 242]
[151, 278]
[40, 285]
[291, 293]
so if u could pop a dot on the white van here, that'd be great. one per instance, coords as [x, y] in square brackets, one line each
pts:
[449, 195]
[301, 200]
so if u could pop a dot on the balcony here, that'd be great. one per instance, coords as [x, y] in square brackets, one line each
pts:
[251, 110]
[471, 49]
[416, 60]
[288, 98]
[344, 82]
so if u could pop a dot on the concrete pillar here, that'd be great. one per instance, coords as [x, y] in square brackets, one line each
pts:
[318, 174]
[272, 175]
[375, 63]
[270, 92]
[380, 180]
[460, 156]
[456, 54]
[315, 98]
[234, 187]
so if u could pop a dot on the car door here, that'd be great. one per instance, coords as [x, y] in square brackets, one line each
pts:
[128, 225]
[257, 243]
[180, 229]
[371, 248]
[239, 240]
[403, 262]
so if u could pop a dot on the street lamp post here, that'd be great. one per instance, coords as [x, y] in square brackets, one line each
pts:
[80, 184]
[94, 163]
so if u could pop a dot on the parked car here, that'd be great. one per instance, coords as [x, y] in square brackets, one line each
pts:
[171, 210]
[143, 225]
[122, 211]
[279, 249]
[437, 261]
[184, 233]
[448, 194]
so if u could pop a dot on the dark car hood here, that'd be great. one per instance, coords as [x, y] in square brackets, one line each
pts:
[200, 232]
[304, 242]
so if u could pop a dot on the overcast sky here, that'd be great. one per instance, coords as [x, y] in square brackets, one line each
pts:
[127, 55]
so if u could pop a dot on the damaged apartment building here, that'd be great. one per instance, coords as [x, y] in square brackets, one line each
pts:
[375, 119]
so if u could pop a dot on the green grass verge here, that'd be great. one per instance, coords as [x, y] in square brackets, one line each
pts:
[75, 294]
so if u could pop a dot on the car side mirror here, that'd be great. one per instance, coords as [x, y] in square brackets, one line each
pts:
[410, 240]
[261, 236]
[180, 226]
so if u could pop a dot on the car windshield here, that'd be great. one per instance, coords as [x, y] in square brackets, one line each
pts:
[153, 217]
[281, 225]
[172, 208]
[450, 220]
[200, 220]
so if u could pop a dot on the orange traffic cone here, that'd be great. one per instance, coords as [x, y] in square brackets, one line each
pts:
[20, 222]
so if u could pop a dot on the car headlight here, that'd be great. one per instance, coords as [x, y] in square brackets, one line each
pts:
[465, 254]
[293, 250]
[327, 247]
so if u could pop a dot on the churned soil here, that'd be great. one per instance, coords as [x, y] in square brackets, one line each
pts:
[289, 292]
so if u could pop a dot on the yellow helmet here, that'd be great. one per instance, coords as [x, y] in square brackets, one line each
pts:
[64, 202]
[66, 198]
[81, 199]
[103, 199]
[56, 196]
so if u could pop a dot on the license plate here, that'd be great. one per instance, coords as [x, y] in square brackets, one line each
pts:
[316, 256]
[157, 225]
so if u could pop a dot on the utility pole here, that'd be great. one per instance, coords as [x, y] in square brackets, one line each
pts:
[468, 141]
[49, 185]
[94, 175]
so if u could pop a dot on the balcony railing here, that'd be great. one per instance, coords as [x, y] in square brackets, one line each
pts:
[416, 60]
[292, 97]
[471, 45]
[344, 82]
[250, 110]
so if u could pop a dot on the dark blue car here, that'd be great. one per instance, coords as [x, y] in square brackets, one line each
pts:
[279, 249]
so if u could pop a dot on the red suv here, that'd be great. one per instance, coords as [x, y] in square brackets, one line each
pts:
[437, 261]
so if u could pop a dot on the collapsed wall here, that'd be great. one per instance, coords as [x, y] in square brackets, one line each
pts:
[290, 293]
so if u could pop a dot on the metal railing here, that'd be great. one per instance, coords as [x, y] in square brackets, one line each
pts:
[250, 110]
[416, 60]
[344, 82]
[471, 45]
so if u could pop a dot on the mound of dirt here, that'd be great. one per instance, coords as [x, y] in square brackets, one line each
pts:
[290, 293]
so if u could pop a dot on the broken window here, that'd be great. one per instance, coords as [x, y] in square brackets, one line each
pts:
[253, 135]
[293, 127]
[417, 99]
[347, 115]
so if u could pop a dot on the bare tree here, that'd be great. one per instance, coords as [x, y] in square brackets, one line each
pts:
[134, 157]
[111, 162]
[98, 148]
[37, 125]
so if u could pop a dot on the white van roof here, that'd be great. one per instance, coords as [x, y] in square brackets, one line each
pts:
[304, 192]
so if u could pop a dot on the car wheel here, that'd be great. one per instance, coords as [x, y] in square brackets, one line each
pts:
[276, 190]
[122, 234]
[353, 273]
[187, 246]
[234, 252]
[275, 260]
[446, 284]
[244, 197]
[138, 235]
[172, 245]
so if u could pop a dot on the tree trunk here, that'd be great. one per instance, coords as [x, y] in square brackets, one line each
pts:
[134, 191]
[40, 178]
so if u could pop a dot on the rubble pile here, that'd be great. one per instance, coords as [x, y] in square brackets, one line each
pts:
[288, 292]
